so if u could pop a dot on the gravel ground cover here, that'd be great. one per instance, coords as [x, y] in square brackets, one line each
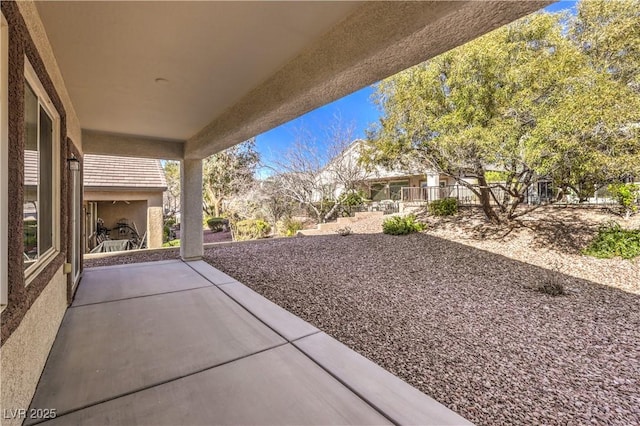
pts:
[463, 322]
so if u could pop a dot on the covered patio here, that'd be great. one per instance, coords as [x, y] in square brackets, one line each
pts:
[178, 342]
[175, 342]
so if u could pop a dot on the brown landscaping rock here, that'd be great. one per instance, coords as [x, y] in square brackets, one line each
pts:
[454, 311]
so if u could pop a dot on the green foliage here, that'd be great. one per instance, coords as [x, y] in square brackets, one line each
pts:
[612, 240]
[166, 228]
[444, 207]
[216, 224]
[291, 227]
[30, 234]
[251, 229]
[609, 34]
[352, 198]
[536, 97]
[172, 243]
[402, 225]
[626, 194]
[493, 176]
[321, 209]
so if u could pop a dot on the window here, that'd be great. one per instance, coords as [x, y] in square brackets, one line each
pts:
[395, 189]
[40, 209]
[4, 158]
[378, 192]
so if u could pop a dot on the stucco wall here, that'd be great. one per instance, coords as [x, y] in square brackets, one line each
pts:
[154, 221]
[32, 316]
[24, 354]
[134, 212]
[145, 209]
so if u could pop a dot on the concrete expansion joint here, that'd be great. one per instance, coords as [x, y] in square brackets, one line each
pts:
[141, 296]
[344, 383]
[173, 379]
[292, 341]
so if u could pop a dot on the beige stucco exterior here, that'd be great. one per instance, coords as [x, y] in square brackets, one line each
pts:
[142, 207]
[191, 203]
[361, 46]
[24, 354]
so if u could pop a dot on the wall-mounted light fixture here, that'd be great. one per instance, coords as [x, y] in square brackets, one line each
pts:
[73, 163]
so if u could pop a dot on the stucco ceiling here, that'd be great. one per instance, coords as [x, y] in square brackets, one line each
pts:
[211, 74]
[209, 53]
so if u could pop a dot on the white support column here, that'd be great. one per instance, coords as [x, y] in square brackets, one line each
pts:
[433, 182]
[191, 210]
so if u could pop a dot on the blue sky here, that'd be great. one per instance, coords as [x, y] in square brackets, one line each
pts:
[356, 109]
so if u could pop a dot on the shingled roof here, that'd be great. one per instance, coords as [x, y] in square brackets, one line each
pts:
[106, 171]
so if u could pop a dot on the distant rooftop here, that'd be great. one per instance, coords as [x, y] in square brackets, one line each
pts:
[105, 171]
[108, 172]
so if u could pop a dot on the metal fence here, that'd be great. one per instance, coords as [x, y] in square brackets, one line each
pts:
[426, 194]
[538, 194]
[387, 207]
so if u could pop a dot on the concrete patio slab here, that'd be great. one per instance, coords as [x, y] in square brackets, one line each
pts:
[402, 403]
[210, 355]
[117, 282]
[282, 321]
[278, 387]
[109, 349]
[209, 272]
[127, 265]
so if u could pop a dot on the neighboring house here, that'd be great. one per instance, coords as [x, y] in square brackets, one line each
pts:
[123, 190]
[407, 184]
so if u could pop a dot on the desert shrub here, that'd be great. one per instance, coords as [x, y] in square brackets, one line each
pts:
[251, 229]
[551, 282]
[167, 232]
[323, 207]
[444, 207]
[172, 243]
[344, 231]
[291, 227]
[350, 201]
[402, 225]
[216, 224]
[551, 287]
[626, 195]
[352, 198]
[612, 240]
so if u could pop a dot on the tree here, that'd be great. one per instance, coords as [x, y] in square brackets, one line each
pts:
[275, 203]
[172, 175]
[316, 175]
[626, 195]
[524, 100]
[591, 136]
[609, 33]
[228, 173]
